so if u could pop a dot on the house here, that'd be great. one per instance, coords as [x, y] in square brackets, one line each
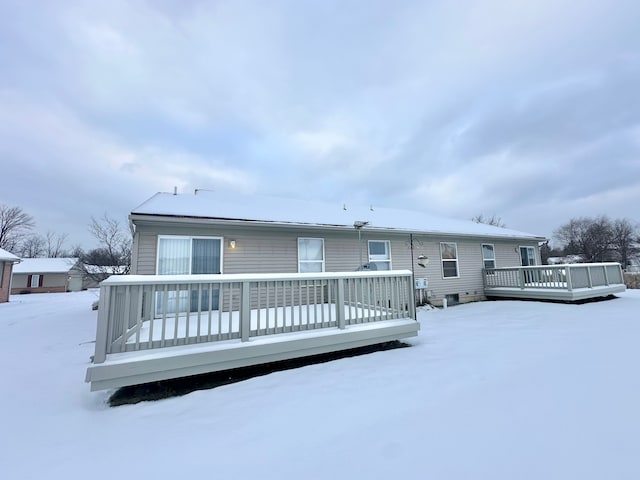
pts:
[94, 274]
[221, 281]
[47, 275]
[214, 232]
[7, 261]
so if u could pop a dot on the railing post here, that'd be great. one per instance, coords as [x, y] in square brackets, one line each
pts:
[340, 302]
[412, 305]
[100, 354]
[606, 275]
[568, 274]
[245, 311]
[522, 280]
[589, 276]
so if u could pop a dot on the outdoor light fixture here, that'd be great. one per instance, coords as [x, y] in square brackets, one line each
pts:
[232, 244]
[423, 260]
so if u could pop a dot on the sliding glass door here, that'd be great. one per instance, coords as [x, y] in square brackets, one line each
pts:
[188, 256]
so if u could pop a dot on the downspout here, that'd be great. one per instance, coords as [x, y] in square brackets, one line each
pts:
[413, 278]
[134, 248]
[11, 278]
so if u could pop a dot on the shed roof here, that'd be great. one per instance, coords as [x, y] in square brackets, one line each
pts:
[284, 211]
[8, 256]
[45, 265]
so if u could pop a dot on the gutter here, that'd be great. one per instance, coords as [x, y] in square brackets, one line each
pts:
[151, 217]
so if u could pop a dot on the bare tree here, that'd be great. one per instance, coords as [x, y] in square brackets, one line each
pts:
[55, 244]
[14, 224]
[31, 247]
[624, 240]
[113, 256]
[591, 238]
[76, 251]
[492, 220]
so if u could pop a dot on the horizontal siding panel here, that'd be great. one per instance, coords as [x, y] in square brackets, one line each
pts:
[264, 249]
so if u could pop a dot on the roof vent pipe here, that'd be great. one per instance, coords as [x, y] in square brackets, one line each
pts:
[175, 190]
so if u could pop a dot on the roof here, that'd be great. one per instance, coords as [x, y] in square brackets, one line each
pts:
[45, 265]
[8, 256]
[283, 211]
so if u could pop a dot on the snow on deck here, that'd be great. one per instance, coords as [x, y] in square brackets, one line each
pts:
[266, 320]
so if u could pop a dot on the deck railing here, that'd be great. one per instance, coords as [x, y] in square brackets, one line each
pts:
[142, 312]
[561, 277]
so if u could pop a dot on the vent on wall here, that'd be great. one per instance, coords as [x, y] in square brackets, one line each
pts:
[452, 298]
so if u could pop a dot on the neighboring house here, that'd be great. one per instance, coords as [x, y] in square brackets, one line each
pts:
[94, 274]
[211, 232]
[568, 259]
[7, 261]
[46, 275]
[633, 266]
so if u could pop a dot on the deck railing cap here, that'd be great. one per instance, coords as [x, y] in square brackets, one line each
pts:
[559, 265]
[246, 277]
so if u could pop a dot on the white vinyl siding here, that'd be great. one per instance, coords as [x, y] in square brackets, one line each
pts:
[310, 255]
[449, 256]
[379, 255]
[488, 255]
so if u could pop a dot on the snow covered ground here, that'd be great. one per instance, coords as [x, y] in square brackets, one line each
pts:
[492, 390]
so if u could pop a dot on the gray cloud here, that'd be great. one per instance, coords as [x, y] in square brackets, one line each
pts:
[529, 110]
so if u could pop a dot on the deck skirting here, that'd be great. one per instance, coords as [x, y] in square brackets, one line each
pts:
[132, 368]
[553, 294]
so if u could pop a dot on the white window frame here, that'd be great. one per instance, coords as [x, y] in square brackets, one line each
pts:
[531, 255]
[190, 237]
[301, 261]
[35, 280]
[450, 260]
[379, 258]
[485, 259]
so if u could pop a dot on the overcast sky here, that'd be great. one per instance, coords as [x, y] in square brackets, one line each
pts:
[528, 110]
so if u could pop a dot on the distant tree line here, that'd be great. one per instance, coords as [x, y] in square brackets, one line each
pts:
[587, 239]
[597, 239]
[489, 220]
[112, 255]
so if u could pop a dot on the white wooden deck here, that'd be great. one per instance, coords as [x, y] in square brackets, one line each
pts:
[570, 283]
[143, 337]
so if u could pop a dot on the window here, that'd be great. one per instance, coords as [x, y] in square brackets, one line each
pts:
[310, 255]
[488, 256]
[379, 255]
[188, 256]
[35, 281]
[449, 254]
[527, 256]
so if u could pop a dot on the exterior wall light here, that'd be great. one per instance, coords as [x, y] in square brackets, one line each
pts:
[232, 244]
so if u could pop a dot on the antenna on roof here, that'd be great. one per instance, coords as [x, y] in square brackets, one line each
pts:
[175, 190]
